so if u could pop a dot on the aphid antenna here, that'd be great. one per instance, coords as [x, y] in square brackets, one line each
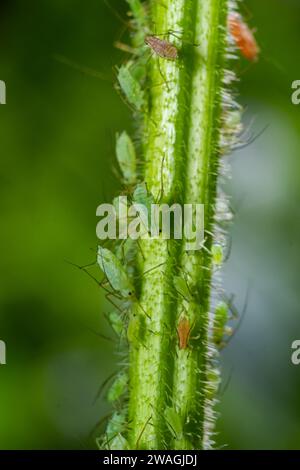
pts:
[116, 14]
[103, 385]
[108, 296]
[248, 13]
[100, 335]
[140, 248]
[228, 248]
[251, 140]
[223, 390]
[143, 310]
[84, 269]
[153, 268]
[161, 191]
[81, 68]
[159, 69]
[142, 431]
[98, 424]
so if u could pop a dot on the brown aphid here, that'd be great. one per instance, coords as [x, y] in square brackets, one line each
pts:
[162, 48]
[243, 37]
[183, 331]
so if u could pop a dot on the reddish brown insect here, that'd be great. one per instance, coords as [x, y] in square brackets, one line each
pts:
[162, 48]
[243, 37]
[183, 331]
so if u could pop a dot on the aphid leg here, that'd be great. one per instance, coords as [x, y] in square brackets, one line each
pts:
[103, 385]
[161, 191]
[100, 335]
[153, 269]
[175, 35]
[235, 314]
[116, 14]
[142, 431]
[84, 269]
[251, 139]
[162, 75]
[97, 426]
[125, 48]
[140, 248]
[125, 101]
[108, 296]
[227, 383]
[143, 310]
[228, 248]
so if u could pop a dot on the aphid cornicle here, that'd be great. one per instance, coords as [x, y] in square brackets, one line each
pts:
[162, 48]
[243, 36]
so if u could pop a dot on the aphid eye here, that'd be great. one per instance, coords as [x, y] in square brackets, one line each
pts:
[129, 293]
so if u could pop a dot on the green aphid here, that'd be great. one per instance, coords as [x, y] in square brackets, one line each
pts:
[116, 425]
[174, 422]
[126, 252]
[121, 206]
[142, 196]
[175, 425]
[140, 21]
[118, 443]
[126, 157]
[115, 273]
[131, 87]
[118, 388]
[138, 10]
[217, 255]
[182, 289]
[233, 120]
[116, 322]
[136, 329]
[220, 328]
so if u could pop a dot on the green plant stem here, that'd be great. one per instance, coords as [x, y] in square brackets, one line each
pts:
[180, 145]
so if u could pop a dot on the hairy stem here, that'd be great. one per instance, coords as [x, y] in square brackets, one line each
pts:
[168, 398]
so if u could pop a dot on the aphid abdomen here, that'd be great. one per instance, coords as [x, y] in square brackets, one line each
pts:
[162, 48]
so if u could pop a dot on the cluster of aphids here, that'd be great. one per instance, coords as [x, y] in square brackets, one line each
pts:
[119, 273]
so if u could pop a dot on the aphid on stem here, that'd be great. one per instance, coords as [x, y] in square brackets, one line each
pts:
[130, 86]
[183, 331]
[162, 48]
[243, 37]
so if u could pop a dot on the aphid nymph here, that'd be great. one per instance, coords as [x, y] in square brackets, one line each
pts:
[183, 331]
[243, 37]
[162, 48]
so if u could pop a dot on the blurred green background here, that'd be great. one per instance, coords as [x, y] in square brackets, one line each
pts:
[57, 158]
